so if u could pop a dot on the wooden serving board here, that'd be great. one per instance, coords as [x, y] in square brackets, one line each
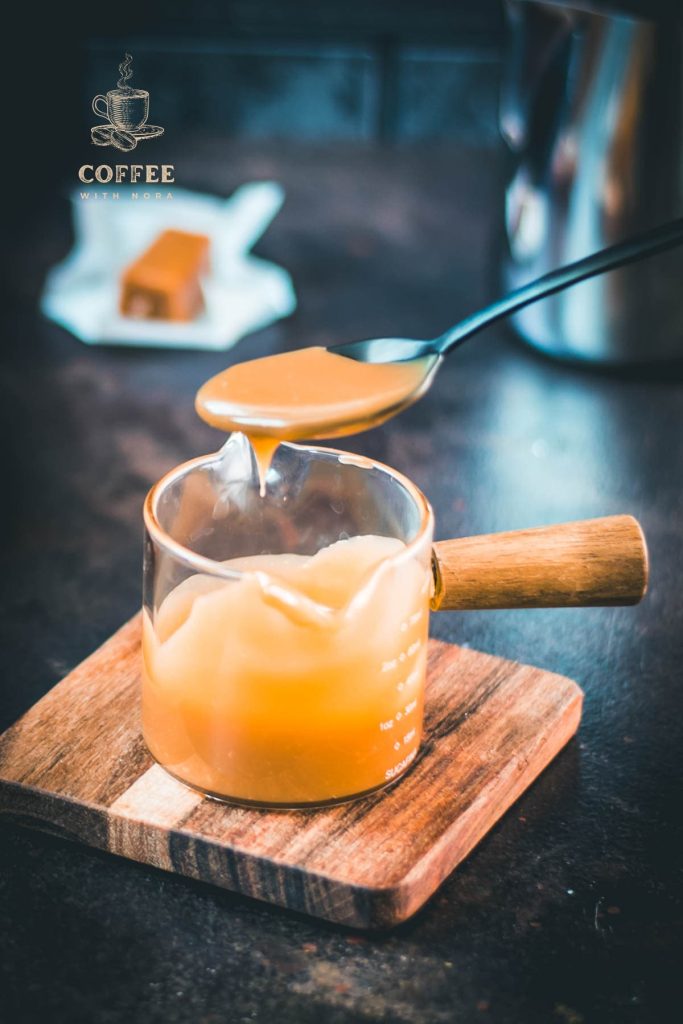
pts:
[76, 765]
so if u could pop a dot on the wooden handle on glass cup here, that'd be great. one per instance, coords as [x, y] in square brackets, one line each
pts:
[590, 562]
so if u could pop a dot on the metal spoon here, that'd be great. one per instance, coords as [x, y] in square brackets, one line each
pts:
[394, 350]
[311, 393]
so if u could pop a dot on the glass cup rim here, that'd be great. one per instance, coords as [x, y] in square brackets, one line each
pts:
[203, 564]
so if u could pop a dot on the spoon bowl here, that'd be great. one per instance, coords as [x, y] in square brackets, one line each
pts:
[386, 350]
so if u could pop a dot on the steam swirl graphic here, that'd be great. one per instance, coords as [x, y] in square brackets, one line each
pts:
[125, 72]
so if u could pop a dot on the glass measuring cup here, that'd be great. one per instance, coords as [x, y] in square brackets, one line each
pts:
[299, 688]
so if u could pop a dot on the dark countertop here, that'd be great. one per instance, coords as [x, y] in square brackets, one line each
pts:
[568, 911]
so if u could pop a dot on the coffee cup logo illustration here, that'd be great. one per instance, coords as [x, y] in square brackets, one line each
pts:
[125, 110]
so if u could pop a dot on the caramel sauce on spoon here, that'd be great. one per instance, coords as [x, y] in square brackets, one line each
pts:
[307, 394]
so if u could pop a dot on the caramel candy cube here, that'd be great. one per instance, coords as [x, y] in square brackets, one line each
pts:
[164, 282]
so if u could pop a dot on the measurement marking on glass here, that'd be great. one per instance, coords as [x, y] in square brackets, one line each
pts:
[390, 773]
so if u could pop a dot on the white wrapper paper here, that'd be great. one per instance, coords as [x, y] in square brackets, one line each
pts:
[241, 293]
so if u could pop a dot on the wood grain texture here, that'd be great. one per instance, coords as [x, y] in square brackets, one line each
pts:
[589, 562]
[76, 765]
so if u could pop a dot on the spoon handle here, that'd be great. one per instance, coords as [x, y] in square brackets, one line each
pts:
[590, 562]
[666, 236]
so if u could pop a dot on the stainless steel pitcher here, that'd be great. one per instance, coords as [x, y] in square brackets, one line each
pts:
[592, 110]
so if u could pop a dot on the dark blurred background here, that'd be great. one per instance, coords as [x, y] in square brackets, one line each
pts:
[325, 70]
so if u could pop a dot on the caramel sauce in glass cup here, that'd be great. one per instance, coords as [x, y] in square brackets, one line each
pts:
[285, 635]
